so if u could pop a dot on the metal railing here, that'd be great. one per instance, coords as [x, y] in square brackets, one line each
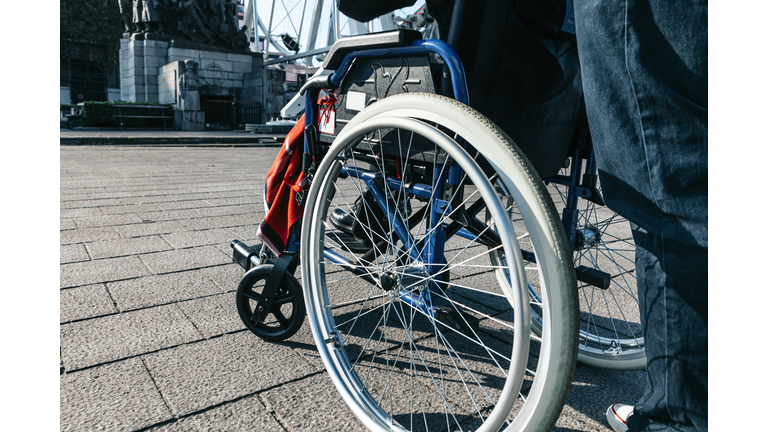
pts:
[219, 113]
[230, 115]
[248, 112]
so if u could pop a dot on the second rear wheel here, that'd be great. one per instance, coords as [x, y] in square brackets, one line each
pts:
[610, 333]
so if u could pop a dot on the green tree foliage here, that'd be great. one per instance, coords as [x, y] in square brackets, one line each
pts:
[90, 30]
[96, 21]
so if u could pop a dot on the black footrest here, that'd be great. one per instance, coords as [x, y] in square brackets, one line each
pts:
[247, 256]
[348, 241]
[594, 277]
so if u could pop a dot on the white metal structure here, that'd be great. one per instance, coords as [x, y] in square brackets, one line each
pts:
[315, 29]
[309, 28]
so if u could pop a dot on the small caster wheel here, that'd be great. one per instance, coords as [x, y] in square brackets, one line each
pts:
[286, 314]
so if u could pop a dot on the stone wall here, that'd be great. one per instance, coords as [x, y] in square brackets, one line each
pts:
[167, 83]
[140, 61]
[144, 77]
[266, 87]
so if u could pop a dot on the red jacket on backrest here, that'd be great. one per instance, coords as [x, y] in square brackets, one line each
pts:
[284, 180]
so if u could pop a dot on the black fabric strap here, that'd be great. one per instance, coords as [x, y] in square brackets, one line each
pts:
[271, 286]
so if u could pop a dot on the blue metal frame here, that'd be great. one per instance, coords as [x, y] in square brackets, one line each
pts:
[421, 46]
[432, 253]
[575, 190]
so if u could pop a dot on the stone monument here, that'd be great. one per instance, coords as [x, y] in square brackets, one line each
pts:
[208, 22]
[188, 115]
[160, 35]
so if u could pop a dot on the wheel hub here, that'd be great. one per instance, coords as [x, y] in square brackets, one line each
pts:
[413, 276]
[588, 237]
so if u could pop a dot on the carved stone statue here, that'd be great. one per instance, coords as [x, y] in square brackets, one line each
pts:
[126, 11]
[189, 89]
[193, 24]
[145, 17]
[209, 22]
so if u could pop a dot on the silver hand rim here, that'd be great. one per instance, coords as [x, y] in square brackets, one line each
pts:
[323, 325]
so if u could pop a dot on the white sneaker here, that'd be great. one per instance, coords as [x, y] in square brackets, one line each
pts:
[617, 415]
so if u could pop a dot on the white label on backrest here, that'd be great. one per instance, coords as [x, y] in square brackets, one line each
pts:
[355, 101]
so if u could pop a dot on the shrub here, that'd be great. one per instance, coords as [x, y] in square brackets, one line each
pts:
[67, 108]
[102, 114]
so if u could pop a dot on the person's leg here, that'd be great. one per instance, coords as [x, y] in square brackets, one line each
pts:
[644, 70]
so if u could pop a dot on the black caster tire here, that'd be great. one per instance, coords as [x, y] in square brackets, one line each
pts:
[286, 315]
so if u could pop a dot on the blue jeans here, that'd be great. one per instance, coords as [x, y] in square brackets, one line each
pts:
[644, 71]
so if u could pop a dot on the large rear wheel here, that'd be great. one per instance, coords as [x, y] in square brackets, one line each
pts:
[419, 333]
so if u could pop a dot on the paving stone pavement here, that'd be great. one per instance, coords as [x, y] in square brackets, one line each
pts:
[150, 338]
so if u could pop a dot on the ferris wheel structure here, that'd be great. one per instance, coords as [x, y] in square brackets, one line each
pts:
[304, 30]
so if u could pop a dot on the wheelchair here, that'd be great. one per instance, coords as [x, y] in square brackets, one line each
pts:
[454, 304]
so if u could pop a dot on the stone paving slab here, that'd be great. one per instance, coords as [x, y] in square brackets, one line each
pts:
[197, 197]
[75, 196]
[213, 188]
[311, 404]
[114, 337]
[246, 198]
[145, 191]
[225, 368]
[73, 253]
[159, 216]
[152, 340]
[181, 205]
[303, 342]
[227, 248]
[145, 199]
[126, 247]
[75, 235]
[121, 194]
[246, 414]
[148, 229]
[228, 209]
[158, 290]
[130, 208]
[115, 397]
[220, 221]
[90, 272]
[184, 259]
[187, 239]
[82, 212]
[214, 315]
[248, 232]
[565, 423]
[91, 203]
[250, 193]
[84, 302]
[227, 276]
[594, 390]
[67, 224]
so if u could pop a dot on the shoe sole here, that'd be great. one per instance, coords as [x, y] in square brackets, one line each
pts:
[345, 228]
[616, 422]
